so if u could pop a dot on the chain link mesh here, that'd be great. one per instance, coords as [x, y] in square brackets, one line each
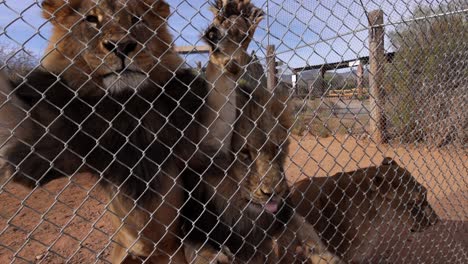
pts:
[351, 135]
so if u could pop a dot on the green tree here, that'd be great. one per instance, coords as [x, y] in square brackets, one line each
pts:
[426, 83]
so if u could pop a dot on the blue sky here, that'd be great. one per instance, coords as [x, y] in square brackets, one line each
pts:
[305, 32]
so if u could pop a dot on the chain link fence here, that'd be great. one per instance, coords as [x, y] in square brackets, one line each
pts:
[135, 131]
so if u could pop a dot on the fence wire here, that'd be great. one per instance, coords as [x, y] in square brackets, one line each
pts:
[233, 131]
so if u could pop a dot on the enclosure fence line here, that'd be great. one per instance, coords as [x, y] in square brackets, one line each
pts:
[149, 131]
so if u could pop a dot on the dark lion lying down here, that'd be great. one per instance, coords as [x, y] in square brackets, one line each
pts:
[352, 210]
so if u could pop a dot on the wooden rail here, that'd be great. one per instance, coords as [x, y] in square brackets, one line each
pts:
[341, 64]
[376, 76]
[192, 49]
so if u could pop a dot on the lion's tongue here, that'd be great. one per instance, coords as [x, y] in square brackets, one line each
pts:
[271, 207]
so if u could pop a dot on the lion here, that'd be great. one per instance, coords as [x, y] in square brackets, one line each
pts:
[112, 44]
[199, 253]
[228, 36]
[245, 210]
[243, 201]
[112, 99]
[352, 210]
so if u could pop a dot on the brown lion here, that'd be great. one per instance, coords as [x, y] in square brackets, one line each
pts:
[241, 206]
[235, 218]
[111, 44]
[111, 100]
[228, 36]
[351, 211]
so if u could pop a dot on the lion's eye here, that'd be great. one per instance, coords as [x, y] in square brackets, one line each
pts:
[92, 19]
[244, 154]
[279, 148]
[136, 20]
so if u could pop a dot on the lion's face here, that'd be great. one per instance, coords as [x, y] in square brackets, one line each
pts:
[261, 142]
[263, 176]
[116, 43]
[404, 196]
[231, 32]
[228, 36]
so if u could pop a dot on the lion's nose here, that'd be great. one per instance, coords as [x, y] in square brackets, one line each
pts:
[270, 189]
[122, 48]
[266, 191]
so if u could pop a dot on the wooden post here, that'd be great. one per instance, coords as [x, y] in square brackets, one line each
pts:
[360, 80]
[271, 66]
[322, 87]
[376, 76]
[323, 71]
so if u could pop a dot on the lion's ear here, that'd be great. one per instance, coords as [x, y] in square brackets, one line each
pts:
[388, 161]
[160, 7]
[54, 10]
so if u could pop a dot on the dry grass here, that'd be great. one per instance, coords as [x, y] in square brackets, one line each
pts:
[324, 118]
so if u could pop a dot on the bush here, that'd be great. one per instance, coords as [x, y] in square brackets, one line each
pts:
[426, 83]
[16, 63]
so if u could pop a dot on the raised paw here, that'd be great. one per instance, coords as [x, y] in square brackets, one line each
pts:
[234, 23]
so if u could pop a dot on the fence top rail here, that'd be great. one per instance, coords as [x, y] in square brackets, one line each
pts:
[192, 49]
[340, 64]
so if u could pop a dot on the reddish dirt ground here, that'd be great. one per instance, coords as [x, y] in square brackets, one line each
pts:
[66, 220]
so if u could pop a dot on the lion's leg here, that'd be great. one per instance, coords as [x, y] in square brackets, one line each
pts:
[296, 240]
[149, 229]
[203, 253]
[271, 256]
[177, 258]
[121, 256]
[289, 248]
[227, 59]
[118, 253]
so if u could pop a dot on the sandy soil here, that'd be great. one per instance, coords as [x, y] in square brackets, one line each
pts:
[444, 172]
[66, 220]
